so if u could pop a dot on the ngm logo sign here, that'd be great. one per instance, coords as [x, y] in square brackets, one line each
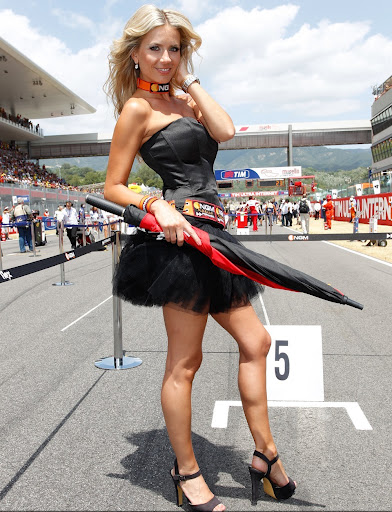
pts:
[235, 175]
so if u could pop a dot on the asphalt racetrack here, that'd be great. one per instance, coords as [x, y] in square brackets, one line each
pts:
[75, 437]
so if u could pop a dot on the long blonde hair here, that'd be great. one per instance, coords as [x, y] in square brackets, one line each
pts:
[121, 82]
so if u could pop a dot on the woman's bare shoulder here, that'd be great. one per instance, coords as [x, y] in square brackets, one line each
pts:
[136, 109]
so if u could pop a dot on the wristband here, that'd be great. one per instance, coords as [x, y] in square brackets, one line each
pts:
[146, 202]
[149, 203]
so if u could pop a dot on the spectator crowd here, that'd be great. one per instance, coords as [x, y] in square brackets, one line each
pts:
[19, 120]
[285, 211]
[15, 168]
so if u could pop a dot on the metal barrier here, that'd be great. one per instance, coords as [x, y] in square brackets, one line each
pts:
[118, 361]
[62, 282]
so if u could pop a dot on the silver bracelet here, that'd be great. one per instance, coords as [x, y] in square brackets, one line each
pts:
[188, 81]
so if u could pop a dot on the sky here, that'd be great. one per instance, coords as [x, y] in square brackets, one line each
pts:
[265, 62]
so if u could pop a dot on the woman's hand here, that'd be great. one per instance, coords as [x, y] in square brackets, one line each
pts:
[181, 73]
[173, 224]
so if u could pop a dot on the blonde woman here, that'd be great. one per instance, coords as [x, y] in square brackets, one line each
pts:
[177, 135]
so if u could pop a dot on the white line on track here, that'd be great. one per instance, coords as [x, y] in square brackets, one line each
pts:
[359, 253]
[267, 322]
[220, 415]
[88, 312]
[351, 250]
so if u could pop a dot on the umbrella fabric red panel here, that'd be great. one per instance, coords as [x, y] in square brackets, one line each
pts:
[236, 258]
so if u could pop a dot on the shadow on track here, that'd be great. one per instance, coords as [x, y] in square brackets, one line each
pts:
[149, 465]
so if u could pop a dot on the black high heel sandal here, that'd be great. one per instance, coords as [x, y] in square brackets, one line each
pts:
[177, 478]
[279, 493]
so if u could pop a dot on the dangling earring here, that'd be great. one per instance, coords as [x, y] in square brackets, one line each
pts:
[136, 65]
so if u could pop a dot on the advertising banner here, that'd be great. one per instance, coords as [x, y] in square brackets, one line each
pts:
[26, 199]
[256, 193]
[259, 173]
[377, 206]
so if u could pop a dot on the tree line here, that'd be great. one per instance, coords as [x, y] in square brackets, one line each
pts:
[82, 176]
[144, 175]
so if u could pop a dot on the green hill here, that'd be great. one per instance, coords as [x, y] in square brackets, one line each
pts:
[319, 158]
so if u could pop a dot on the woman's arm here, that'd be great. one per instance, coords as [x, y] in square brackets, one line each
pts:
[207, 110]
[126, 141]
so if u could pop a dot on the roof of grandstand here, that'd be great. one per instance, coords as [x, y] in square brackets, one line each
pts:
[28, 90]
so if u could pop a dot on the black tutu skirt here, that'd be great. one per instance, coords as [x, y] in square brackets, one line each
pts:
[154, 272]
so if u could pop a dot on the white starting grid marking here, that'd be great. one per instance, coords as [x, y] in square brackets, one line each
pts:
[85, 314]
[220, 415]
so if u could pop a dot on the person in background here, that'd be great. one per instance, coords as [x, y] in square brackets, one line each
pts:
[254, 210]
[289, 215]
[82, 214]
[21, 215]
[317, 208]
[323, 203]
[328, 207]
[295, 213]
[353, 208]
[70, 217]
[59, 215]
[104, 220]
[6, 220]
[284, 208]
[304, 210]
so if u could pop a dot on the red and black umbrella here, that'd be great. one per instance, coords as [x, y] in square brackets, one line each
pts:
[235, 258]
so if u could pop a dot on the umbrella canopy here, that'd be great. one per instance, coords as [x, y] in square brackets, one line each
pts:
[238, 259]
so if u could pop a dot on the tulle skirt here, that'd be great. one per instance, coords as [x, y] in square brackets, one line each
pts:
[154, 272]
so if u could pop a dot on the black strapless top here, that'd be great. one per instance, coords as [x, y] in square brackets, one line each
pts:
[183, 154]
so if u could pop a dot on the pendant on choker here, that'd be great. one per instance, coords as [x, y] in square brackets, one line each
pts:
[151, 87]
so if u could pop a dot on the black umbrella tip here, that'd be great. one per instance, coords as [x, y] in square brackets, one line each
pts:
[353, 303]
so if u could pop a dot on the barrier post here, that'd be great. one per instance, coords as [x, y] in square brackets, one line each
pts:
[1, 251]
[33, 239]
[84, 235]
[118, 361]
[63, 282]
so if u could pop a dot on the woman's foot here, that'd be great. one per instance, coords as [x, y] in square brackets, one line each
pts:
[277, 474]
[270, 470]
[196, 490]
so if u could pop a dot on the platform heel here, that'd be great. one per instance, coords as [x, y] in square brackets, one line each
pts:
[177, 478]
[270, 488]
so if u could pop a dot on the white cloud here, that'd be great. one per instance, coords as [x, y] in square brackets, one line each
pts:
[194, 9]
[326, 70]
[73, 20]
[83, 72]
[249, 58]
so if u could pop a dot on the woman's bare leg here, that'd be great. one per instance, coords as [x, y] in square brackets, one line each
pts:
[254, 343]
[185, 330]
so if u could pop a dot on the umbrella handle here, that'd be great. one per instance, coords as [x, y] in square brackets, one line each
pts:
[104, 204]
[131, 214]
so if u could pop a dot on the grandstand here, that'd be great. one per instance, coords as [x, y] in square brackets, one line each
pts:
[29, 93]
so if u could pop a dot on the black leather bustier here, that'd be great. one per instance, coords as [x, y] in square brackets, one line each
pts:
[183, 154]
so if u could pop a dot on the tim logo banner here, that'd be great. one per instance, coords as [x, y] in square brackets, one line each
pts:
[378, 206]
